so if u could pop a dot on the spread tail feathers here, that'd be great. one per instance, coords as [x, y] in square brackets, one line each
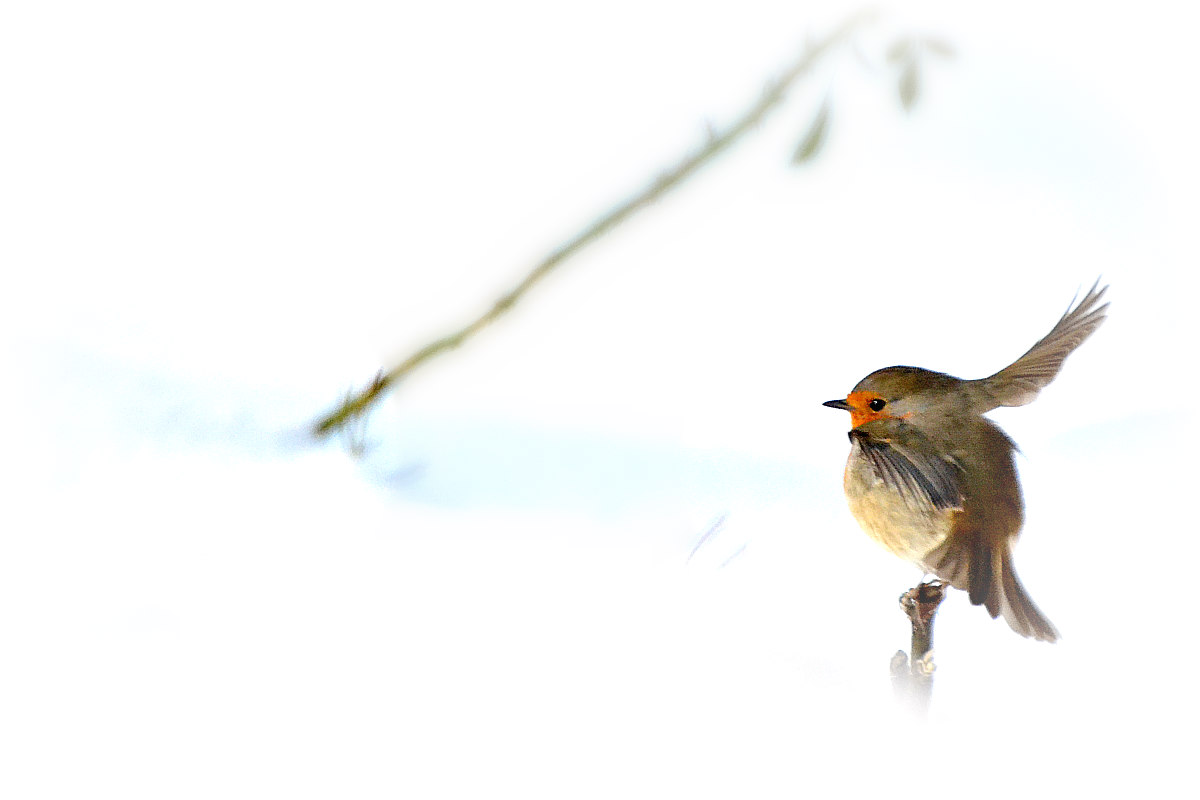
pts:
[1009, 598]
[997, 589]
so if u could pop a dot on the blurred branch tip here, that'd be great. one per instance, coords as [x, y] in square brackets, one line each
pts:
[906, 55]
[912, 673]
[814, 137]
[718, 139]
[708, 534]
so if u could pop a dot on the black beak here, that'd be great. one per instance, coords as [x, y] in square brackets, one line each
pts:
[841, 405]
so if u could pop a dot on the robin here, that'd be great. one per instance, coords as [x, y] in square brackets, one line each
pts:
[933, 480]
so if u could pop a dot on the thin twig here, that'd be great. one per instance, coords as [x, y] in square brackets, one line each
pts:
[912, 674]
[708, 534]
[358, 403]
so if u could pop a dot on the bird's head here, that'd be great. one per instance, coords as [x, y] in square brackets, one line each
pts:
[904, 393]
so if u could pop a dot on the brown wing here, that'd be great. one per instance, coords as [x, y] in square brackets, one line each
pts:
[1020, 382]
[904, 460]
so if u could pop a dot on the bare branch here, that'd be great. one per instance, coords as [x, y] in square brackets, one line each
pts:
[912, 674]
[359, 402]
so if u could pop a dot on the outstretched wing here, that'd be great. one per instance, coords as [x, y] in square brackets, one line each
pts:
[910, 466]
[1020, 382]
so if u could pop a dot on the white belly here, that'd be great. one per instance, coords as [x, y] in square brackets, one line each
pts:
[906, 524]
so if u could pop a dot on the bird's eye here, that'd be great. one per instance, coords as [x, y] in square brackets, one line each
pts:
[877, 404]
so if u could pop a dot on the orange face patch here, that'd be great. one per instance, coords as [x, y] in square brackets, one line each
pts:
[860, 408]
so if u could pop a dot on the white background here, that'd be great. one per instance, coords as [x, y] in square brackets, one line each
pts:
[217, 217]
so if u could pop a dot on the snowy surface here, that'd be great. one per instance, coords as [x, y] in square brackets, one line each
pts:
[220, 216]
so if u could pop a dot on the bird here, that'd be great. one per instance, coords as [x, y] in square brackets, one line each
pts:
[934, 481]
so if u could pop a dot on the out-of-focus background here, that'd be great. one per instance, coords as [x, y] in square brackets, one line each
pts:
[218, 217]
